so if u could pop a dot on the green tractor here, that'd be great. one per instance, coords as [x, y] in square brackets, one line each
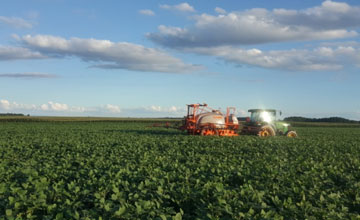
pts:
[262, 122]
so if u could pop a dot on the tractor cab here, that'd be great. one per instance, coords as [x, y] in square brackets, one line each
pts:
[262, 122]
[262, 115]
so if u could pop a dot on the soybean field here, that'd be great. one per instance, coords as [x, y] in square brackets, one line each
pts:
[129, 170]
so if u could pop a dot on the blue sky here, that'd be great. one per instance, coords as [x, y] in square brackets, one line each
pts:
[151, 58]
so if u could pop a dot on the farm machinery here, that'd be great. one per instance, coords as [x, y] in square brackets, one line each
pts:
[262, 122]
[203, 120]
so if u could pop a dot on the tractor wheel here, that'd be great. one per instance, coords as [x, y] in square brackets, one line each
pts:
[204, 132]
[208, 132]
[266, 131]
[291, 134]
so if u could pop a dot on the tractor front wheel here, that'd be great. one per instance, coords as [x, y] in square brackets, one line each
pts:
[266, 131]
[291, 134]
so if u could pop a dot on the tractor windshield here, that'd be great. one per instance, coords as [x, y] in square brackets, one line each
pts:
[262, 116]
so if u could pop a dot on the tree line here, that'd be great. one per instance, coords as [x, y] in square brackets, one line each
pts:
[330, 119]
[12, 114]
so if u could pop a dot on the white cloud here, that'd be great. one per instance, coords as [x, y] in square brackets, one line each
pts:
[4, 104]
[330, 15]
[7, 105]
[172, 31]
[318, 59]
[337, 7]
[147, 12]
[155, 108]
[49, 107]
[54, 106]
[17, 53]
[27, 75]
[331, 20]
[220, 10]
[44, 107]
[15, 22]
[112, 108]
[184, 7]
[101, 54]
[173, 109]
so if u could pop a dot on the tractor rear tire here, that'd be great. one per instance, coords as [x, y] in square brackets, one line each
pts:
[291, 134]
[266, 131]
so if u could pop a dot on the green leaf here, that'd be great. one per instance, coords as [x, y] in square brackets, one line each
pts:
[102, 200]
[2, 188]
[59, 216]
[219, 187]
[121, 211]
[114, 197]
[107, 207]
[17, 205]
[178, 216]
[76, 215]
[8, 212]
[251, 211]
[97, 195]
[115, 189]
[138, 208]
[11, 200]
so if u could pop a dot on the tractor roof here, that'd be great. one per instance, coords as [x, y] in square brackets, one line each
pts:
[262, 110]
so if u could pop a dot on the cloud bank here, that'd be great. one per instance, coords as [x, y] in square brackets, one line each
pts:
[57, 108]
[331, 20]
[226, 34]
[100, 53]
[317, 59]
